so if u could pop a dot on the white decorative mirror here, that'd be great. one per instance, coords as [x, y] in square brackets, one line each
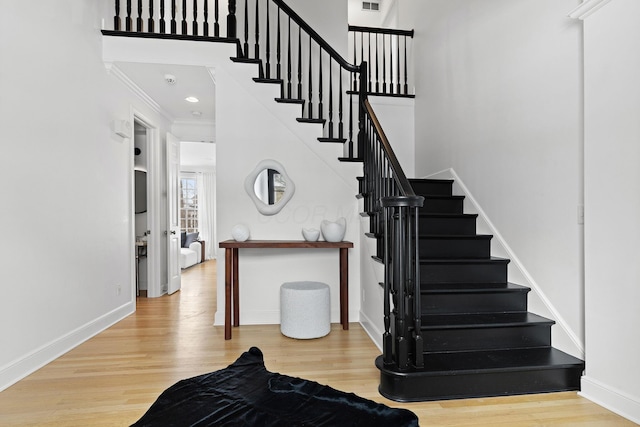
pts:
[269, 187]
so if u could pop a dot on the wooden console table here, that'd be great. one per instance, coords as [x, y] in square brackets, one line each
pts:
[232, 285]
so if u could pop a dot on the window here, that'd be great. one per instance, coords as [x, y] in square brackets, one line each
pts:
[371, 5]
[188, 204]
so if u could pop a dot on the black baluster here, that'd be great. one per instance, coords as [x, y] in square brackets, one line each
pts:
[355, 60]
[150, 23]
[350, 146]
[340, 125]
[128, 21]
[216, 16]
[246, 29]
[391, 37]
[205, 24]
[194, 26]
[399, 86]
[116, 17]
[310, 111]
[330, 98]
[257, 30]
[139, 21]
[232, 27]
[174, 24]
[320, 107]
[406, 86]
[185, 27]
[278, 49]
[162, 22]
[268, 47]
[289, 60]
[299, 63]
[384, 65]
[369, 62]
[377, 87]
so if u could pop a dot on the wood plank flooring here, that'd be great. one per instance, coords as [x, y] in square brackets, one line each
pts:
[112, 379]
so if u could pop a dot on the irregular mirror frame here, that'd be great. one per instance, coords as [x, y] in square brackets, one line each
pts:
[264, 208]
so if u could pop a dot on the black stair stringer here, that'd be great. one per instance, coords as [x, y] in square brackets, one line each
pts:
[478, 337]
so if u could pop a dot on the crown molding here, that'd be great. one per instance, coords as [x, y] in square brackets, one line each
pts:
[137, 90]
[587, 8]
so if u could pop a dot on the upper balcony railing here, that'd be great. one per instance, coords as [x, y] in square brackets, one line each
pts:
[388, 52]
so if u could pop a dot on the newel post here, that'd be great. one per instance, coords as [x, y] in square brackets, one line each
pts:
[231, 20]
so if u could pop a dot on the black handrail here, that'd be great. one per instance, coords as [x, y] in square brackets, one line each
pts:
[316, 37]
[378, 30]
[399, 175]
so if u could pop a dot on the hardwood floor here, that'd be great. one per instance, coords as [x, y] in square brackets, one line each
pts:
[112, 379]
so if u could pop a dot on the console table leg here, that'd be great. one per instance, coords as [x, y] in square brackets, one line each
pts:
[236, 288]
[227, 293]
[344, 288]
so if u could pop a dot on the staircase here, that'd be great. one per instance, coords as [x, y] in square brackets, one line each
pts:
[479, 339]
[454, 326]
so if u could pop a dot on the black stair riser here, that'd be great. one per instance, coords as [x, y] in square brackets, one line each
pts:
[490, 272]
[505, 337]
[448, 225]
[471, 247]
[415, 387]
[468, 302]
[426, 187]
[442, 206]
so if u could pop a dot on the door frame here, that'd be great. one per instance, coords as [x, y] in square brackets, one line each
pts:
[154, 209]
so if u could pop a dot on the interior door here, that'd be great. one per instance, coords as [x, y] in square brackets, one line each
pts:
[173, 246]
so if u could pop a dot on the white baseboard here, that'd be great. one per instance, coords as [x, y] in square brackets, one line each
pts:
[610, 398]
[369, 327]
[576, 344]
[19, 369]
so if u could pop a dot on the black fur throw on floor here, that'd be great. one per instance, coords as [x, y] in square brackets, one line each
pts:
[246, 394]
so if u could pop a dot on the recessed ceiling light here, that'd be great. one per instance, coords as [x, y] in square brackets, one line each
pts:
[196, 113]
[191, 99]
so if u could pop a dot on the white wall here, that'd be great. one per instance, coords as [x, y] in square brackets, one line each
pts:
[67, 260]
[612, 206]
[499, 101]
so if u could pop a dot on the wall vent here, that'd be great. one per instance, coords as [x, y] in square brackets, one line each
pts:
[371, 5]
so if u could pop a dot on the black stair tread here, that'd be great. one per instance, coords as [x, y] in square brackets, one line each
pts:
[306, 120]
[441, 181]
[428, 197]
[446, 363]
[491, 260]
[334, 140]
[474, 288]
[265, 80]
[290, 101]
[482, 320]
[351, 159]
[446, 215]
[456, 236]
[246, 60]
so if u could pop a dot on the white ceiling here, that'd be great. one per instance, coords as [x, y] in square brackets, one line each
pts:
[189, 81]
[170, 99]
[197, 155]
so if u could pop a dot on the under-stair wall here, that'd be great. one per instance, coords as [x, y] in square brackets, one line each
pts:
[322, 192]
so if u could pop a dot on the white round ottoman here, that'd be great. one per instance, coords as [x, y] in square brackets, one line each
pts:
[305, 310]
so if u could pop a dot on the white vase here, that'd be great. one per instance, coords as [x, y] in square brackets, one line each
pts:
[333, 231]
[310, 234]
[240, 232]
